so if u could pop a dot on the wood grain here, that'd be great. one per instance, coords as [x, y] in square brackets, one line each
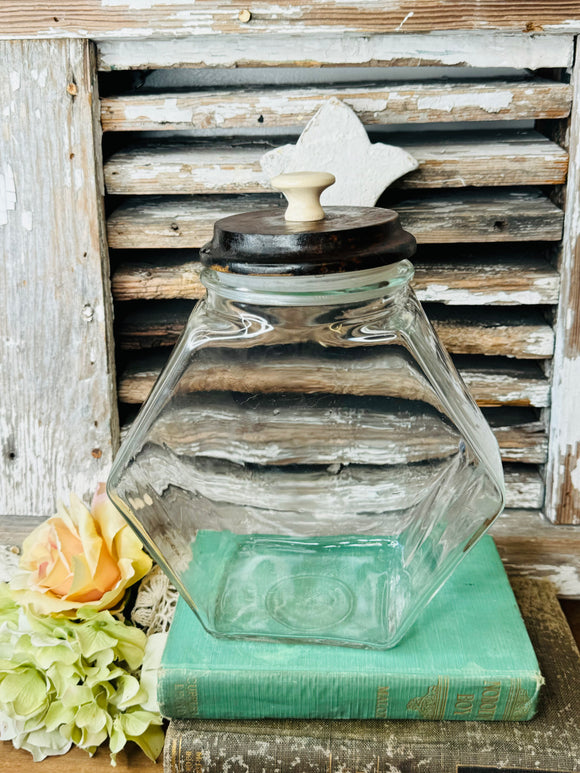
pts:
[101, 19]
[267, 430]
[77, 761]
[530, 546]
[501, 278]
[492, 381]
[155, 222]
[56, 367]
[476, 159]
[523, 335]
[563, 469]
[328, 48]
[392, 103]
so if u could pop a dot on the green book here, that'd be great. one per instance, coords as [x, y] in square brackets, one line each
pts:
[467, 657]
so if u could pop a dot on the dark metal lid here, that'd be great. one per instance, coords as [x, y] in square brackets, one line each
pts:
[346, 239]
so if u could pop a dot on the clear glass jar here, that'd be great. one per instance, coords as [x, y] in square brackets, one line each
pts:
[309, 466]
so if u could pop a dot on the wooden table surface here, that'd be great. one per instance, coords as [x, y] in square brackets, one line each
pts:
[77, 761]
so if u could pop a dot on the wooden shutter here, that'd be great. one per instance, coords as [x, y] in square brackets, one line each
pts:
[485, 206]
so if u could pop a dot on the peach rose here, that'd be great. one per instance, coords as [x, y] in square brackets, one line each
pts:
[79, 558]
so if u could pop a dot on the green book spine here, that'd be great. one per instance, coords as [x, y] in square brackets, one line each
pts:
[185, 694]
[468, 657]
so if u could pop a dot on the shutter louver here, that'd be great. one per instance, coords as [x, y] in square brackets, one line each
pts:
[479, 206]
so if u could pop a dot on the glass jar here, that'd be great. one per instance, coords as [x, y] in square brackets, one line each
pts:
[309, 465]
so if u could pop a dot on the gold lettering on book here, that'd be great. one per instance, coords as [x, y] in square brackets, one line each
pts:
[198, 762]
[192, 702]
[518, 702]
[464, 704]
[489, 700]
[432, 704]
[382, 702]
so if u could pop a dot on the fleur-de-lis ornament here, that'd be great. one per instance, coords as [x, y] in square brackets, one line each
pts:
[336, 141]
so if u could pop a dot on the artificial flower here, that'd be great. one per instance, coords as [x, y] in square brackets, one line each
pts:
[65, 682]
[79, 558]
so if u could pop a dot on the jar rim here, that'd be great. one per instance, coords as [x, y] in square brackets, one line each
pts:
[310, 290]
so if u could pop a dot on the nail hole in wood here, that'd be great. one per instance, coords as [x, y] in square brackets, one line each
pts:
[174, 227]
[499, 225]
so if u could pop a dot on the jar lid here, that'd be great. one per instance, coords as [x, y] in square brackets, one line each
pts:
[305, 239]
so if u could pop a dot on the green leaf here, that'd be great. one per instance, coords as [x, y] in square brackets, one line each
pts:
[93, 640]
[91, 716]
[151, 741]
[76, 695]
[33, 693]
[127, 692]
[10, 687]
[58, 715]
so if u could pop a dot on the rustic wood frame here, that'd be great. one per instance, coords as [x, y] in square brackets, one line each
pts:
[59, 51]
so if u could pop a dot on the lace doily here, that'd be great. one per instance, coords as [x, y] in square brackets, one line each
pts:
[155, 603]
[9, 557]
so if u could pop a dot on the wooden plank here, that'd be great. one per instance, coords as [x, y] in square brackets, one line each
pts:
[492, 381]
[129, 760]
[55, 316]
[563, 469]
[524, 487]
[267, 429]
[530, 546]
[389, 103]
[446, 161]
[105, 19]
[504, 280]
[522, 335]
[340, 491]
[155, 222]
[473, 49]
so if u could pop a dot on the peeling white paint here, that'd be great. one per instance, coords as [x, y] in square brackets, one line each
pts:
[141, 4]
[79, 178]
[575, 476]
[363, 170]
[14, 80]
[491, 102]
[168, 112]
[7, 193]
[477, 49]
[26, 219]
[405, 20]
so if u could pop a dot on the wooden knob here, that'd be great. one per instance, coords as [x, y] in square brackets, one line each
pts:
[302, 190]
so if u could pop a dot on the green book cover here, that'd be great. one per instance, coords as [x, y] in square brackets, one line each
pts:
[467, 657]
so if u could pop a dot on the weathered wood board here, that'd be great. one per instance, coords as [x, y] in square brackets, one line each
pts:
[563, 470]
[492, 381]
[471, 159]
[389, 103]
[501, 278]
[531, 546]
[58, 415]
[268, 430]
[159, 18]
[155, 222]
[327, 49]
[523, 334]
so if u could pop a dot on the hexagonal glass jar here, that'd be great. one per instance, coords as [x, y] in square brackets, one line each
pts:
[309, 466]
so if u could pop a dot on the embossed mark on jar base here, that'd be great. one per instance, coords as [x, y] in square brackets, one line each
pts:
[309, 602]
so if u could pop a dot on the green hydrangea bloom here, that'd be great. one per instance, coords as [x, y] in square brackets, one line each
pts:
[65, 682]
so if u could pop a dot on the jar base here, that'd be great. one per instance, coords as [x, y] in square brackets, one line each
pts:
[335, 590]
